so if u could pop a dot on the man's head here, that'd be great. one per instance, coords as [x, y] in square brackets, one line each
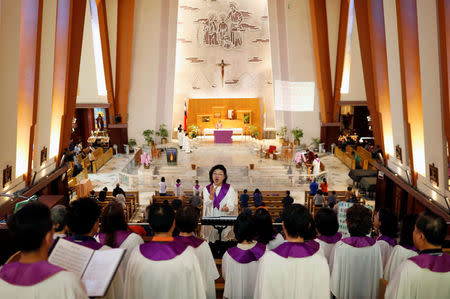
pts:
[297, 222]
[31, 227]
[245, 191]
[117, 185]
[430, 231]
[186, 219]
[288, 193]
[326, 222]
[386, 221]
[161, 218]
[359, 220]
[83, 216]
[105, 189]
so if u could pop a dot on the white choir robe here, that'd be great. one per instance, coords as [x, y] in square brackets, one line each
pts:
[231, 200]
[63, 284]
[411, 281]
[180, 138]
[293, 277]
[316, 166]
[179, 277]
[327, 243]
[386, 250]
[398, 255]
[355, 272]
[240, 278]
[186, 144]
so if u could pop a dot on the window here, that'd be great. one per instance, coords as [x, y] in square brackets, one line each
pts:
[98, 56]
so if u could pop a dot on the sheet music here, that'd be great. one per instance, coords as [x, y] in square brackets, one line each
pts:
[100, 271]
[70, 256]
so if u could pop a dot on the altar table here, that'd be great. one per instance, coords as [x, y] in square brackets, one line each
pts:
[223, 136]
[209, 131]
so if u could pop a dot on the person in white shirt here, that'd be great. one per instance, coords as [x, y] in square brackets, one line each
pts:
[428, 274]
[327, 226]
[240, 263]
[178, 188]
[219, 199]
[163, 187]
[264, 230]
[355, 262]
[196, 188]
[186, 143]
[180, 136]
[296, 268]
[164, 267]
[405, 249]
[32, 276]
[186, 221]
[387, 224]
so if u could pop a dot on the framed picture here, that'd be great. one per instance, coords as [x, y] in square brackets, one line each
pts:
[206, 119]
[398, 153]
[7, 175]
[434, 175]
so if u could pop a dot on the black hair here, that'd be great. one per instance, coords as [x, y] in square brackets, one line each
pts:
[359, 220]
[178, 181]
[349, 188]
[288, 192]
[92, 192]
[388, 223]
[82, 215]
[163, 179]
[105, 189]
[187, 219]
[160, 217]
[433, 228]
[324, 180]
[113, 220]
[245, 190]
[221, 167]
[333, 192]
[176, 204]
[264, 228]
[406, 229]
[244, 227]
[319, 192]
[326, 222]
[257, 191]
[298, 222]
[30, 225]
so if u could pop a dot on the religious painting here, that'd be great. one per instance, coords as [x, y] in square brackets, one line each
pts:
[7, 175]
[434, 175]
[171, 155]
[206, 119]
[398, 153]
[100, 118]
[43, 155]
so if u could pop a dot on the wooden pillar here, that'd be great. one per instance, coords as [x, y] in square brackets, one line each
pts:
[125, 22]
[69, 35]
[30, 52]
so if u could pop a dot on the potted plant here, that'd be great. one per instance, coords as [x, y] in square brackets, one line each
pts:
[298, 133]
[148, 136]
[193, 131]
[131, 144]
[315, 143]
[282, 133]
[163, 133]
[254, 131]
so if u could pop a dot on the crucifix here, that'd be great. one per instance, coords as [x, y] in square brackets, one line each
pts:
[223, 65]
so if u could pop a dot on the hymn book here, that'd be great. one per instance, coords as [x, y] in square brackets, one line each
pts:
[95, 268]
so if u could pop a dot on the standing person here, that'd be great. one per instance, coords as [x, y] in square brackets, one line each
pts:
[257, 198]
[186, 221]
[324, 187]
[313, 187]
[118, 190]
[316, 165]
[178, 188]
[327, 225]
[196, 189]
[32, 276]
[162, 187]
[296, 268]
[186, 143]
[91, 160]
[287, 200]
[244, 199]
[240, 263]
[386, 223]
[180, 136]
[219, 199]
[264, 230]
[428, 274]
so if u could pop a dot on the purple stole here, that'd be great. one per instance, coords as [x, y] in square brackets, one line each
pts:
[297, 249]
[189, 241]
[331, 239]
[243, 256]
[389, 240]
[119, 237]
[25, 275]
[162, 251]
[359, 242]
[85, 241]
[197, 186]
[178, 185]
[435, 263]
[222, 193]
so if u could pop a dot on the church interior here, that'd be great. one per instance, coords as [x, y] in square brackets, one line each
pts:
[342, 103]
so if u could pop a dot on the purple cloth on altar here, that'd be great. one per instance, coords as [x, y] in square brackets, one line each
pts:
[247, 256]
[331, 239]
[21, 274]
[162, 251]
[435, 263]
[120, 236]
[223, 136]
[88, 242]
[190, 241]
[297, 250]
[359, 242]
[222, 193]
[389, 240]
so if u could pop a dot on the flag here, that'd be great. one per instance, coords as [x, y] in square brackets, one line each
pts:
[185, 115]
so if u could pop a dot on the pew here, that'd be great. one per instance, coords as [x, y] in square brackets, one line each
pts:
[345, 158]
[101, 158]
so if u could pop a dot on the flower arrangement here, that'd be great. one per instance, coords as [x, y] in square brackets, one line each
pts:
[146, 160]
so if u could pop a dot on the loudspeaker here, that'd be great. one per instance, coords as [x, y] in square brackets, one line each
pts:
[118, 119]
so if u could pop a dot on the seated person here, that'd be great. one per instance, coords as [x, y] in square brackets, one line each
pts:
[357, 258]
[428, 274]
[244, 199]
[295, 258]
[327, 226]
[257, 198]
[265, 232]
[118, 190]
[287, 200]
[195, 201]
[59, 219]
[357, 160]
[319, 200]
[240, 263]
[405, 249]
[32, 276]
[386, 223]
[332, 199]
[349, 194]
[102, 194]
[92, 195]
[163, 268]
[186, 221]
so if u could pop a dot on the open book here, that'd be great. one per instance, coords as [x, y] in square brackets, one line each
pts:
[95, 268]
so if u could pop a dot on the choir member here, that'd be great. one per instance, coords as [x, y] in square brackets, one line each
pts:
[186, 221]
[59, 219]
[240, 263]
[264, 230]
[32, 276]
[163, 268]
[405, 249]
[355, 262]
[327, 225]
[178, 188]
[387, 224]
[295, 258]
[428, 274]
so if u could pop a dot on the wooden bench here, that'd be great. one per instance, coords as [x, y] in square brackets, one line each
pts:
[131, 202]
[366, 158]
[345, 158]
[309, 200]
[101, 158]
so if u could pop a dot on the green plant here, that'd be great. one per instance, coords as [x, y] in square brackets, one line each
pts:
[315, 142]
[254, 132]
[282, 132]
[148, 135]
[193, 131]
[298, 133]
[162, 132]
[132, 142]
[246, 119]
